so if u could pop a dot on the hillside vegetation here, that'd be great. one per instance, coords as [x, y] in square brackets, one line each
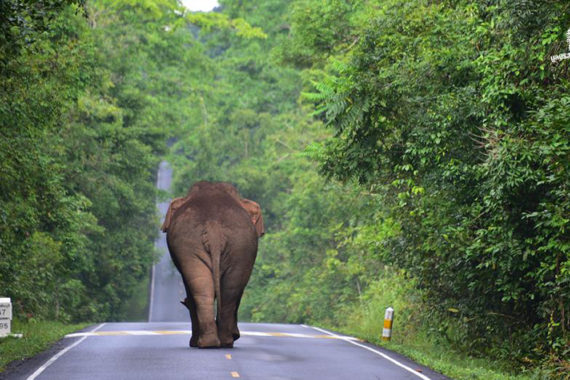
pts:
[412, 154]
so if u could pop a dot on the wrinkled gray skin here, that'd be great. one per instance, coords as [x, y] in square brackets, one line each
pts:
[213, 243]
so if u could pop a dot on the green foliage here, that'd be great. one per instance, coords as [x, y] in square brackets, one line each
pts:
[448, 136]
[23, 22]
[449, 112]
[91, 92]
[313, 37]
[447, 133]
[43, 227]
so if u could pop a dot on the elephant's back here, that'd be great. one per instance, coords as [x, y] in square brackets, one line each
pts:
[220, 208]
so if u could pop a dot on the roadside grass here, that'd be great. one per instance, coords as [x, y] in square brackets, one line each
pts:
[444, 360]
[38, 336]
[411, 336]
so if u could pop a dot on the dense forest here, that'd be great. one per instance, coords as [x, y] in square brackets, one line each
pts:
[412, 154]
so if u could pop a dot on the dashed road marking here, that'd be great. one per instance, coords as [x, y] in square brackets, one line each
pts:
[235, 374]
[188, 332]
[229, 356]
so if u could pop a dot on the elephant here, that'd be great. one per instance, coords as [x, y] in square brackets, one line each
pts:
[212, 236]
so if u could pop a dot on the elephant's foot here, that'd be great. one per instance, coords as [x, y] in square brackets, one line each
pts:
[194, 341]
[235, 333]
[209, 341]
[227, 340]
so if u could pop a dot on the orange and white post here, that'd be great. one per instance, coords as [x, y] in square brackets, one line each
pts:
[388, 318]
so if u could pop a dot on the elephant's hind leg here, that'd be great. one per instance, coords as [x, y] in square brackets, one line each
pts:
[191, 305]
[202, 291]
[235, 330]
[208, 333]
[228, 330]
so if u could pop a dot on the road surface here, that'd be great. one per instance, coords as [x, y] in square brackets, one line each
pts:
[166, 289]
[159, 349]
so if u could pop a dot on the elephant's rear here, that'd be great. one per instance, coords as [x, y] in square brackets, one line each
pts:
[212, 240]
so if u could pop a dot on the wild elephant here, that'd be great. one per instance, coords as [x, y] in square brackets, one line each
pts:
[212, 236]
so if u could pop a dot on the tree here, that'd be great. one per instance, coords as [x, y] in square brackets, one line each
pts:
[448, 112]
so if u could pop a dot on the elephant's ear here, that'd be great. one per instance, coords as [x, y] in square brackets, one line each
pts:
[174, 205]
[254, 212]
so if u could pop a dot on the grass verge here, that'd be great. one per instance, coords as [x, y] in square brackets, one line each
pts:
[411, 334]
[452, 364]
[38, 336]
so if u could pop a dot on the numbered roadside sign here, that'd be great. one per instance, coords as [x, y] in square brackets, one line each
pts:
[5, 327]
[5, 316]
[5, 308]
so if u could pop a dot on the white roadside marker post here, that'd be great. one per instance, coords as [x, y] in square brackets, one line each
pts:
[388, 318]
[5, 316]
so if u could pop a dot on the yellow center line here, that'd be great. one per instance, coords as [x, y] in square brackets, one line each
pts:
[235, 374]
[229, 356]
[188, 332]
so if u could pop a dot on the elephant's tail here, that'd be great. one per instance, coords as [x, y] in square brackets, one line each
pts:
[214, 242]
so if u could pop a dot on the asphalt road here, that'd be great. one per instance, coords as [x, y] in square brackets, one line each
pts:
[166, 286]
[159, 349]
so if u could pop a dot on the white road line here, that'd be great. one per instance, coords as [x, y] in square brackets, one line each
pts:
[347, 339]
[60, 354]
[150, 305]
[163, 166]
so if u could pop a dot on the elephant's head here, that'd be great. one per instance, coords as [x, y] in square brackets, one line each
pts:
[252, 208]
